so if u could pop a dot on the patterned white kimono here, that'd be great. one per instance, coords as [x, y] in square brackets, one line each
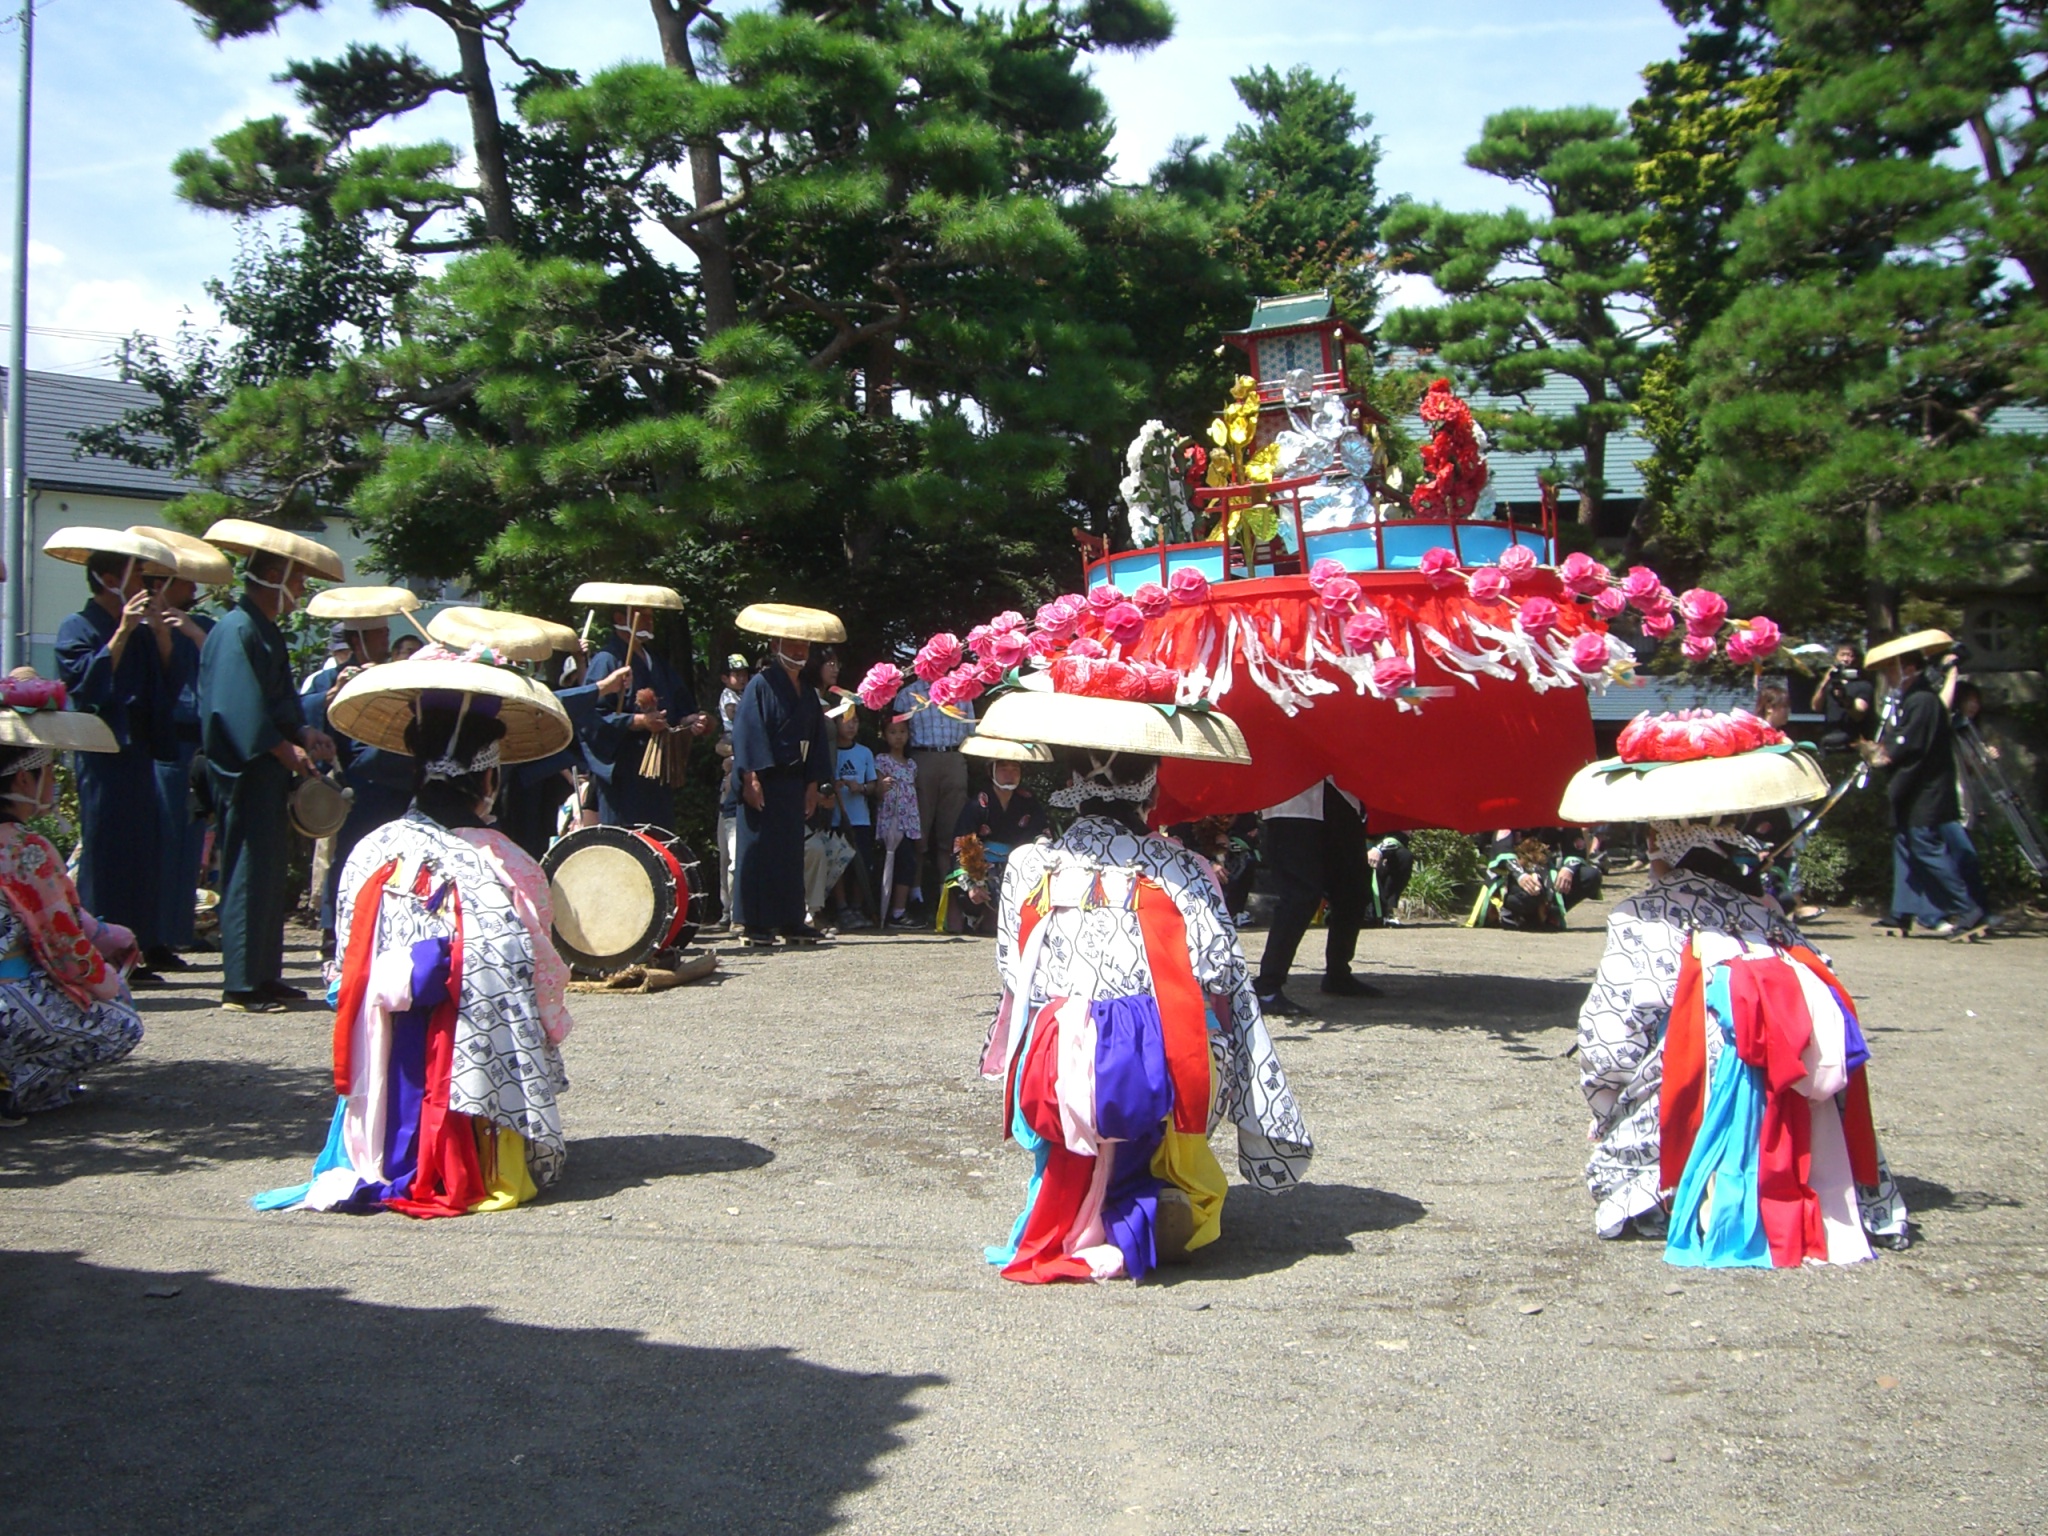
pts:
[1621, 1039]
[506, 1068]
[1095, 950]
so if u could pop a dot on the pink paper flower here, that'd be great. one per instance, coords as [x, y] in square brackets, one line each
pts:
[1390, 674]
[1103, 598]
[1045, 646]
[1188, 586]
[1008, 619]
[1697, 647]
[1123, 623]
[1763, 637]
[963, 683]
[1589, 653]
[1364, 630]
[1518, 561]
[1151, 599]
[1704, 611]
[1489, 584]
[879, 688]
[941, 654]
[1658, 625]
[1340, 594]
[1006, 648]
[1609, 603]
[1059, 616]
[1537, 618]
[989, 672]
[1741, 650]
[1582, 575]
[1441, 567]
[1088, 649]
[1324, 570]
[1641, 586]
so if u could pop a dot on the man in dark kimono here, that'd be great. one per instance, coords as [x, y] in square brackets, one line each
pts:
[784, 761]
[254, 733]
[115, 656]
[183, 833]
[615, 741]
[534, 792]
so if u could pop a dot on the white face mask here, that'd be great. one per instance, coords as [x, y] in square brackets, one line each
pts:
[282, 587]
[1007, 781]
[42, 802]
[628, 632]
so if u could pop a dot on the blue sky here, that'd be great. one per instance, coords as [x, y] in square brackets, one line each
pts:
[114, 251]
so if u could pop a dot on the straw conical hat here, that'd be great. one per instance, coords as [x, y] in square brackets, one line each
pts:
[362, 602]
[560, 636]
[379, 703]
[626, 594]
[198, 561]
[247, 538]
[78, 545]
[787, 621]
[512, 635]
[1114, 725]
[1700, 790]
[998, 750]
[1908, 645]
[61, 730]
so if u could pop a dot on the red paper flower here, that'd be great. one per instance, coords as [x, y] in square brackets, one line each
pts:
[1538, 617]
[1518, 561]
[1440, 566]
[1390, 674]
[1365, 629]
[1151, 599]
[941, 654]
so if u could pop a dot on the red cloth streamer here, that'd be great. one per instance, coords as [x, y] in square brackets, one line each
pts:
[1682, 1095]
[1497, 755]
[1183, 1008]
[355, 975]
[1772, 1027]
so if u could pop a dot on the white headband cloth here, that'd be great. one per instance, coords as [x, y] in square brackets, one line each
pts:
[1095, 785]
[449, 765]
[1673, 840]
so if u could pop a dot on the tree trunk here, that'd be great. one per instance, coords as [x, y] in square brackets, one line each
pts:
[492, 180]
[881, 377]
[1593, 492]
[709, 241]
[1880, 597]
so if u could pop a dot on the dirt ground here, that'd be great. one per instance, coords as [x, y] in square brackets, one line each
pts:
[756, 1303]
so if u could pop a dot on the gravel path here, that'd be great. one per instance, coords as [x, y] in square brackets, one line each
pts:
[756, 1304]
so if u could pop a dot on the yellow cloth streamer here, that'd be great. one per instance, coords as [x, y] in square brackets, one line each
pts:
[1185, 1161]
[501, 1152]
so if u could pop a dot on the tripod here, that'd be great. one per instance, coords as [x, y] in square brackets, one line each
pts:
[1987, 781]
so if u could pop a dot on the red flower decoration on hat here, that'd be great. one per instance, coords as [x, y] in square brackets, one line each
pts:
[1694, 735]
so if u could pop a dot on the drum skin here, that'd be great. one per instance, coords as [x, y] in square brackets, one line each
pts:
[620, 895]
[318, 807]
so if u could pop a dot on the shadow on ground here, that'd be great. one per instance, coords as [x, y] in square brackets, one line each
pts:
[152, 1115]
[1510, 1008]
[1263, 1233]
[603, 1165]
[1925, 1195]
[232, 1408]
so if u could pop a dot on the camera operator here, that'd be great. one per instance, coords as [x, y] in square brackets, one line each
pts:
[1930, 846]
[1848, 701]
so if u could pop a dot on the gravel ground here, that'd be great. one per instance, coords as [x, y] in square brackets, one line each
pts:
[756, 1303]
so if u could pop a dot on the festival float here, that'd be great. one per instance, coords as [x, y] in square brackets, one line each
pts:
[1432, 658]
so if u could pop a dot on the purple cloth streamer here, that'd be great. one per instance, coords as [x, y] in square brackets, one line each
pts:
[408, 1069]
[1133, 1089]
[1130, 1205]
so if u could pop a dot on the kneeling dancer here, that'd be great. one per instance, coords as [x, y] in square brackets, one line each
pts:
[1128, 1024]
[64, 1004]
[1722, 1059]
[449, 1014]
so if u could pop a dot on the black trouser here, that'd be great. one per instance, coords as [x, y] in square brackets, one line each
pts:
[1314, 860]
[255, 847]
[1388, 880]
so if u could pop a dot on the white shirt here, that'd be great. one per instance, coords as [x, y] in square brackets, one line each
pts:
[1308, 805]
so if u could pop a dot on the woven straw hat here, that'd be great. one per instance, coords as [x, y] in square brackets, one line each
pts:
[247, 538]
[787, 621]
[361, 602]
[1114, 725]
[379, 702]
[1908, 645]
[560, 636]
[512, 635]
[61, 730]
[1611, 790]
[78, 545]
[626, 594]
[998, 750]
[198, 561]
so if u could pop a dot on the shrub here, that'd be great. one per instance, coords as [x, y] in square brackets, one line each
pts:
[1447, 874]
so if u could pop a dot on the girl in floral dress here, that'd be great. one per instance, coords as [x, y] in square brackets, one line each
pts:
[896, 823]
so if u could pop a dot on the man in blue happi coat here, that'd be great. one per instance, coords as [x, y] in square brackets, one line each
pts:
[615, 740]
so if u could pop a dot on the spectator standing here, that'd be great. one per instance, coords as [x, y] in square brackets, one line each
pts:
[859, 787]
[1315, 845]
[785, 760]
[1928, 837]
[116, 656]
[896, 820]
[254, 734]
[935, 738]
[1848, 702]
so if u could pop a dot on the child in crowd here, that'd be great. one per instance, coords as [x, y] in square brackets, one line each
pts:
[735, 681]
[858, 787]
[896, 822]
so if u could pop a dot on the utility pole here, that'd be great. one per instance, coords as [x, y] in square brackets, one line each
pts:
[14, 523]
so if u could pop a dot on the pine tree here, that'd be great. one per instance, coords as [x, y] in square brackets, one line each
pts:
[1528, 296]
[1886, 306]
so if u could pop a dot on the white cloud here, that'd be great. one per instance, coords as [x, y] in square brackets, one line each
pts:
[43, 254]
[1407, 290]
[74, 326]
